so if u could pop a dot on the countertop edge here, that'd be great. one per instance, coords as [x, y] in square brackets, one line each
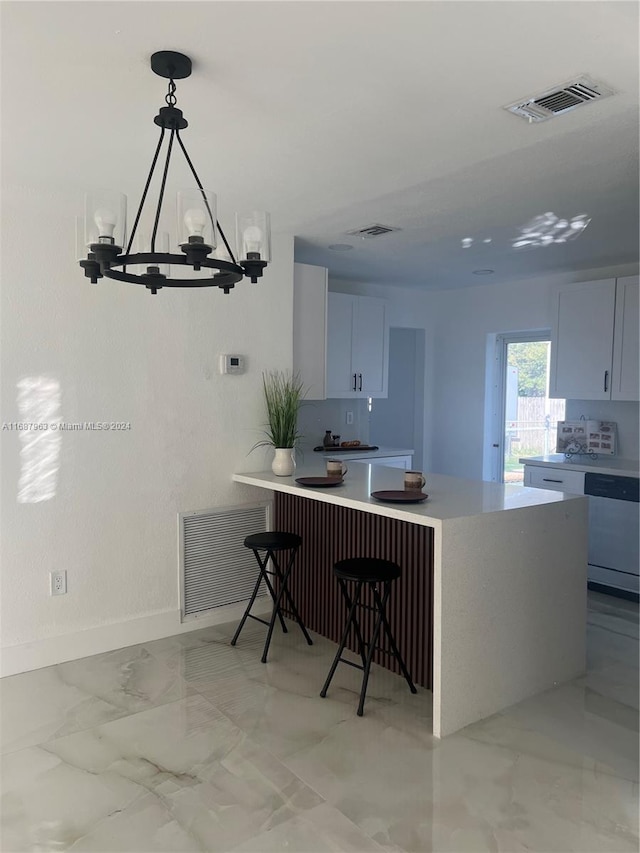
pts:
[330, 497]
[414, 513]
[626, 468]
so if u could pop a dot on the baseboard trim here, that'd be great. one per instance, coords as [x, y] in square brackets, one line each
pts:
[106, 638]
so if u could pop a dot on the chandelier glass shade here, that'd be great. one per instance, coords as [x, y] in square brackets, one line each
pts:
[144, 257]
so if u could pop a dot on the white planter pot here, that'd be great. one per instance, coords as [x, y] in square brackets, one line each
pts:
[283, 464]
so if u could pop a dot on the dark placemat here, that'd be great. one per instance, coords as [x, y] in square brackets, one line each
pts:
[319, 482]
[322, 449]
[405, 496]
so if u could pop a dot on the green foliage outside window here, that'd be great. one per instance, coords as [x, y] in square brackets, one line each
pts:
[530, 358]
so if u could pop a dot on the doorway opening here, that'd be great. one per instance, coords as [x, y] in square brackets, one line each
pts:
[526, 418]
[398, 420]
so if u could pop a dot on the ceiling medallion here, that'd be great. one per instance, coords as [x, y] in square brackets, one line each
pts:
[104, 233]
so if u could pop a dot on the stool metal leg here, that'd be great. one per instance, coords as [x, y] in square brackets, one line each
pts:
[392, 642]
[284, 586]
[283, 578]
[374, 639]
[261, 576]
[343, 641]
[271, 556]
[354, 621]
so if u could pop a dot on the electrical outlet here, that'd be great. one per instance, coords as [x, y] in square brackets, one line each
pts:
[58, 583]
[349, 418]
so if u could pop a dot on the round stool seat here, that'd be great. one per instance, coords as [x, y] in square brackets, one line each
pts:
[273, 540]
[366, 569]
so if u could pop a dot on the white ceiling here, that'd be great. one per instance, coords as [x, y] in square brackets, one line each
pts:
[336, 115]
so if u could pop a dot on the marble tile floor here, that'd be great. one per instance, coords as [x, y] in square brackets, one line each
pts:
[188, 744]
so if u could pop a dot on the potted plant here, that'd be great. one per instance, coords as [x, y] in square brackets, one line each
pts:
[283, 394]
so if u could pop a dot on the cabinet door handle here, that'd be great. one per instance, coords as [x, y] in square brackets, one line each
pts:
[548, 480]
[606, 380]
[360, 388]
[355, 387]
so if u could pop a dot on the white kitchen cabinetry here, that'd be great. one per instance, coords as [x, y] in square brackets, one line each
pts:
[340, 342]
[539, 477]
[358, 342]
[625, 378]
[594, 346]
[403, 462]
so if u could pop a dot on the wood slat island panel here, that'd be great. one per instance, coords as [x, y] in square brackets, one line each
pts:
[330, 533]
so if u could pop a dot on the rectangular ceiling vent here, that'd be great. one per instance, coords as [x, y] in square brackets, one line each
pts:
[560, 99]
[371, 231]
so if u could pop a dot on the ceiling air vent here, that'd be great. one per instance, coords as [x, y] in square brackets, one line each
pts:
[560, 99]
[371, 231]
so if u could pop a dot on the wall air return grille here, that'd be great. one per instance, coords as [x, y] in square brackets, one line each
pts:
[371, 231]
[215, 567]
[560, 99]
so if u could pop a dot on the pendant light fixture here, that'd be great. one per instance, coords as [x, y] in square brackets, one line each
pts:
[104, 234]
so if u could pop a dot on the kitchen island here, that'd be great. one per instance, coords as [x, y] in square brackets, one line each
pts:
[492, 599]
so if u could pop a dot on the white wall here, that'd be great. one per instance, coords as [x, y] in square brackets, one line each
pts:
[398, 420]
[462, 319]
[120, 354]
[622, 412]
[317, 416]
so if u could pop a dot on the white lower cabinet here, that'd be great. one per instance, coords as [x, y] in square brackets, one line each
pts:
[613, 525]
[392, 461]
[404, 462]
[540, 477]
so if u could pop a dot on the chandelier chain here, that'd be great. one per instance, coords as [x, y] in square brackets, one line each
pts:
[170, 97]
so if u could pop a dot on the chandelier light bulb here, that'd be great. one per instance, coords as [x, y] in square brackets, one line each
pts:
[195, 222]
[106, 221]
[253, 239]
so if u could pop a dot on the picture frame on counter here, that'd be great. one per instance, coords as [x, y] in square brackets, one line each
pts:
[587, 436]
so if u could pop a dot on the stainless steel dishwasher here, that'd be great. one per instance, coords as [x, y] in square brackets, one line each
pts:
[614, 551]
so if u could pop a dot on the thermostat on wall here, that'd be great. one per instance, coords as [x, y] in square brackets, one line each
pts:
[231, 364]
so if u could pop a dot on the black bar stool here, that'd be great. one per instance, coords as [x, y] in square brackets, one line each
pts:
[378, 575]
[270, 542]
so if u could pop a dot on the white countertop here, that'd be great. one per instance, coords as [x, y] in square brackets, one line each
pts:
[449, 497]
[601, 465]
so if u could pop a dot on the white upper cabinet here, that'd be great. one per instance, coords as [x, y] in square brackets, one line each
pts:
[594, 346]
[357, 346]
[625, 379]
[340, 342]
[340, 379]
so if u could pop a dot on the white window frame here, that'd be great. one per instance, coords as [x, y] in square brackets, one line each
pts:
[496, 396]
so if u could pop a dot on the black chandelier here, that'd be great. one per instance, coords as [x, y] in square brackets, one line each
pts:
[104, 234]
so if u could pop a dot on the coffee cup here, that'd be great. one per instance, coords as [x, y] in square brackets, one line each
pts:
[413, 480]
[336, 468]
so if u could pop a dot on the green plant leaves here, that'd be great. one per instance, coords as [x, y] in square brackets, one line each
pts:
[283, 394]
